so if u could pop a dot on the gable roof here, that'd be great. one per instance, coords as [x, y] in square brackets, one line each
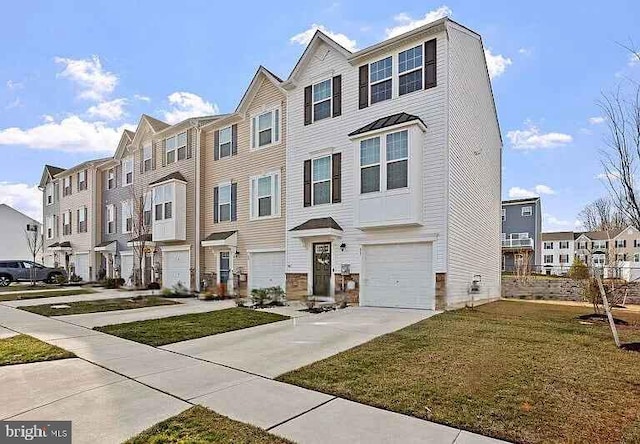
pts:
[252, 89]
[18, 212]
[48, 172]
[385, 122]
[221, 235]
[152, 123]
[321, 222]
[125, 139]
[83, 165]
[156, 125]
[602, 234]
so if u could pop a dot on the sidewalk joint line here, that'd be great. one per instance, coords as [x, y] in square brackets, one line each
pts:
[302, 413]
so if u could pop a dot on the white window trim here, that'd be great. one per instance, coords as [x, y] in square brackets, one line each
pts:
[504, 214]
[49, 226]
[163, 202]
[67, 219]
[530, 211]
[220, 203]
[548, 244]
[84, 213]
[565, 243]
[83, 181]
[275, 196]
[230, 142]
[111, 173]
[111, 218]
[127, 161]
[313, 182]
[49, 193]
[517, 236]
[409, 71]
[145, 158]
[314, 102]
[379, 164]
[394, 59]
[254, 146]
[383, 166]
[127, 213]
[546, 256]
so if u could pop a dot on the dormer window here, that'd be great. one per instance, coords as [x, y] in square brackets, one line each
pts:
[265, 129]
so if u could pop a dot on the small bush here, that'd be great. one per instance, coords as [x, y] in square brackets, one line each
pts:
[578, 270]
[153, 286]
[75, 278]
[111, 283]
[166, 292]
[180, 289]
[59, 279]
[259, 296]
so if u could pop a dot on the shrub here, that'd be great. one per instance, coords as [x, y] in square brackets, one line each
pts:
[259, 296]
[277, 295]
[112, 283]
[153, 286]
[59, 279]
[166, 292]
[578, 270]
[75, 278]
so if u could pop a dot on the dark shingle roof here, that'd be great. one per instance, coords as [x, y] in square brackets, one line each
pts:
[222, 235]
[322, 222]
[104, 244]
[57, 244]
[385, 122]
[65, 244]
[515, 201]
[53, 170]
[602, 235]
[173, 176]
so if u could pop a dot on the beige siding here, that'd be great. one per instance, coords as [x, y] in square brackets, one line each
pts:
[252, 234]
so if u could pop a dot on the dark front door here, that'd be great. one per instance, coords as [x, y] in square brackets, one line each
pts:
[224, 267]
[321, 269]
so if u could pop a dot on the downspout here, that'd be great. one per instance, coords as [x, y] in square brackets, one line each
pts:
[197, 246]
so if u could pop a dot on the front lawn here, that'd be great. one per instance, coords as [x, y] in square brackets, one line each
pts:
[44, 294]
[201, 425]
[191, 326]
[99, 305]
[519, 371]
[27, 287]
[22, 349]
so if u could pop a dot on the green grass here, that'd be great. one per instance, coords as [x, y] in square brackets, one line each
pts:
[99, 305]
[28, 287]
[514, 370]
[191, 326]
[22, 349]
[44, 294]
[201, 425]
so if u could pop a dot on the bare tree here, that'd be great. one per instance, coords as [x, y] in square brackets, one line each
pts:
[34, 244]
[139, 226]
[602, 215]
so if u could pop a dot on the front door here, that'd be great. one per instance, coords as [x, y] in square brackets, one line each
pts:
[224, 267]
[322, 269]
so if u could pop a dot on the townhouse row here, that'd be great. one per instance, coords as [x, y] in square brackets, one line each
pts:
[374, 173]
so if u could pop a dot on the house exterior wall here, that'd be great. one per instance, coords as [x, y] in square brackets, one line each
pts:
[474, 167]
[258, 234]
[13, 244]
[555, 267]
[517, 223]
[52, 210]
[331, 136]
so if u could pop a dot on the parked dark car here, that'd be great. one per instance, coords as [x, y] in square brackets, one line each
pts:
[16, 271]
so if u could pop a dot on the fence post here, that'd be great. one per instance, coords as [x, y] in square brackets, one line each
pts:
[608, 310]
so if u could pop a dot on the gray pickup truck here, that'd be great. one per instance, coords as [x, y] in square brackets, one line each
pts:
[16, 271]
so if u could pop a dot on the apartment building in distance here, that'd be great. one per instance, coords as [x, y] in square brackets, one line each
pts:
[521, 233]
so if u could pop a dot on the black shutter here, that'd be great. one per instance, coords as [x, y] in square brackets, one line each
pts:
[141, 160]
[78, 221]
[234, 201]
[215, 205]
[234, 139]
[307, 183]
[363, 87]
[336, 178]
[337, 96]
[189, 141]
[308, 92]
[216, 145]
[430, 64]
[606, 245]
[163, 151]
[153, 155]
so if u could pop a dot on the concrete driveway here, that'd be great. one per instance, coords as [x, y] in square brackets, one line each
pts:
[272, 349]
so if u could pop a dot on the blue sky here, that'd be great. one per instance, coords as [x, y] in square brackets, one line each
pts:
[74, 74]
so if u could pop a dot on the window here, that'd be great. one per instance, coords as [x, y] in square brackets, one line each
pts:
[147, 207]
[176, 147]
[127, 171]
[636, 257]
[564, 245]
[321, 180]
[147, 154]
[82, 220]
[322, 100]
[163, 201]
[82, 180]
[410, 70]
[582, 245]
[49, 193]
[548, 258]
[49, 225]
[397, 160]
[370, 165]
[621, 243]
[111, 219]
[380, 81]
[504, 214]
[519, 235]
[527, 211]
[265, 129]
[127, 216]
[224, 145]
[66, 223]
[66, 186]
[548, 245]
[265, 196]
[564, 258]
[111, 179]
[599, 245]
[224, 202]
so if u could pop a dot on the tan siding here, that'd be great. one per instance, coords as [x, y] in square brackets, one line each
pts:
[257, 234]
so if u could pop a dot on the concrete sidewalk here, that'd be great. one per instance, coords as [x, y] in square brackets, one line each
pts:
[139, 385]
[99, 294]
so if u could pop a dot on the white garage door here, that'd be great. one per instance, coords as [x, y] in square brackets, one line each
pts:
[176, 268]
[398, 275]
[126, 267]
[82, 265]
[266, 269]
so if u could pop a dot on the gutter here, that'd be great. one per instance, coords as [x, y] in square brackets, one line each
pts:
[197, 245]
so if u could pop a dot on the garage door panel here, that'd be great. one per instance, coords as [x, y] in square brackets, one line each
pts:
[176, 268]
[267, 269]
[126, 267]
[398, 275]
[82, 266]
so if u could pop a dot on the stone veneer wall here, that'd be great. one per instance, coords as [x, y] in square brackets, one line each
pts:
[560, 289]
[296, 285]
[353, 296]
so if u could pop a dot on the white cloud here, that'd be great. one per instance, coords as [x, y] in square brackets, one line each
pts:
[607, 176]
[523, 193]
[496, 63]
[185, 105]
[94, 82]
[531, 138]
[525, 51]
[305, 37]
[142, 98]
[71, 134]
[12, 84]
[111, 110]
[596, 120]
[22, 197]
[552, 223]
[406, 23]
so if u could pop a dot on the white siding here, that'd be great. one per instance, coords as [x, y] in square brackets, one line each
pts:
[556, 251]
[474, 173]
[13, 244]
